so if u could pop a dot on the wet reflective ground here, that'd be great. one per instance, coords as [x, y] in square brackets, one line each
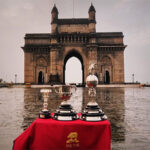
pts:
[128, 110]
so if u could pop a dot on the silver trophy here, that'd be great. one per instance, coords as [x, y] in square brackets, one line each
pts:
[65, 111]
[92, 111]
[44, 114]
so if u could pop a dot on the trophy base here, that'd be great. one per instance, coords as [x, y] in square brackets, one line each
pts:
[93, 113]
[65, 113]
[44, 115]
[65, 116]
[93, 117]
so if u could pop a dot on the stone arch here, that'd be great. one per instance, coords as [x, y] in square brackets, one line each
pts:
[106, 60]
[41, 61]
[106, 70]
[41, 70]
[76, 54]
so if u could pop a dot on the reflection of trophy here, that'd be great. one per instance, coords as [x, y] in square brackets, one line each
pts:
[65, 111]
[44, 114]
[92, 111]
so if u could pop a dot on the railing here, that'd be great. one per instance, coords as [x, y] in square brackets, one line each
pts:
[73, 39]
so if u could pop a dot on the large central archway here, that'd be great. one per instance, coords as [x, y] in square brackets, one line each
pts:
[73, 72]
[73, 53]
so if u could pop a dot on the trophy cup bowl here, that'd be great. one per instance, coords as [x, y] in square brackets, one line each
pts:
[92, 111]
[92, 81]
[65, 111]
[44, 113]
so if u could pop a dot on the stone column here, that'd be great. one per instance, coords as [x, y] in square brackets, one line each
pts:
[92, 56]
[29, 68]
[53, 63]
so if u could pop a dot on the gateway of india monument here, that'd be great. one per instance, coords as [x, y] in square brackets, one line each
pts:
[46, 54]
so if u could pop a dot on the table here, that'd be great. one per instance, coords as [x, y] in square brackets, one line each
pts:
[49, 134]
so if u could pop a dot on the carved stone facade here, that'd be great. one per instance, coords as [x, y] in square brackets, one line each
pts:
[45, 55]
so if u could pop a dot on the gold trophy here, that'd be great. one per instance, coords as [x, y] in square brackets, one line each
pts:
[92, 111]
[65, 111]
[45, 114]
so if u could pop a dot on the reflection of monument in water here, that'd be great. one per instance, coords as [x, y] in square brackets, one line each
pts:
[33, 103]
[111, 100]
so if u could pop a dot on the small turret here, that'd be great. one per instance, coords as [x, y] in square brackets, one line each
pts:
[92, 21]
[54, 14]
[54, 19]
[92, 12]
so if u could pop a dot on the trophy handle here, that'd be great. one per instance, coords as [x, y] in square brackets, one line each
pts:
[74, 88]
[57, 90]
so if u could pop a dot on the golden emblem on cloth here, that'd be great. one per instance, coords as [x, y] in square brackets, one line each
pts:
[72, 140]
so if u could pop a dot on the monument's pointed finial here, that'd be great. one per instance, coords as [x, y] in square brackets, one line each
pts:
[54, 14]
[92, 8]
[54, 9]
[92, 13]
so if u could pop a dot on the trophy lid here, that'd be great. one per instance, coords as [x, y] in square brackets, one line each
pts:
[91, 79]
[45, 90]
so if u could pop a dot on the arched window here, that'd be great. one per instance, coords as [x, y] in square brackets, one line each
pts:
[40, 78]
[106, 67]
[107, 77]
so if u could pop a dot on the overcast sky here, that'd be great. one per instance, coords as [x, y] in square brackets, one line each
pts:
[132, 17]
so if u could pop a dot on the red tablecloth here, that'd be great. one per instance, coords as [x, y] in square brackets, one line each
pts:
[49, 134]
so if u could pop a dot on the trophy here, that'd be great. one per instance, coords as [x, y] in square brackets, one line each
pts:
[65, 111]
[45, 114]
[92, 111]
